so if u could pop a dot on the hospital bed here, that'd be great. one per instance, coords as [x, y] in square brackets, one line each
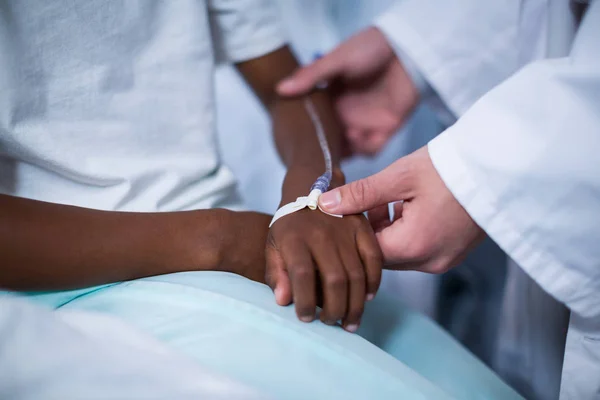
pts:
[232, 327]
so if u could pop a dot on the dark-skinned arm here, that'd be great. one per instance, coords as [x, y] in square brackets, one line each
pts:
[294, 134]
[46, 246]
[311, 255]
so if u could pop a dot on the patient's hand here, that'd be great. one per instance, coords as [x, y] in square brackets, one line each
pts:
[309, 247]
[311, 255]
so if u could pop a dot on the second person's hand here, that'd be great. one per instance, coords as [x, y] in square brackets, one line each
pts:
[373, 94]
[429, 232]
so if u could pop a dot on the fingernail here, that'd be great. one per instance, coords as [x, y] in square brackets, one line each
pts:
[327, 321]
[278, 295]
[352, 328]
[370, 296]
[306, 318]
[286, 84]
[330, 200]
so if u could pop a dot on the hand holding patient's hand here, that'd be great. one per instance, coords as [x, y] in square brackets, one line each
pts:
[430, 230]
[373, 93]
[312, 255]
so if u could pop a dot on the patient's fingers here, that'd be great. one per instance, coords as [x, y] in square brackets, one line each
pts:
[356, 286]
[276, 276]
[372, 259]
[301, 270]
[379, 217]
[334, 280]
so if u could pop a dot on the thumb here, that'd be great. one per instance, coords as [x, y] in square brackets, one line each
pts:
[277, 279]
[307, 78]
[391, 184]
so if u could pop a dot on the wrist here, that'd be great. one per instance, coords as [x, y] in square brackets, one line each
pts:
[192, 241]
[338, 178]
[243, 247]
[300, 178]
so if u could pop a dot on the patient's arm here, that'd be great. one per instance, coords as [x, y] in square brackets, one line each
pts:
[45, 246]
[309, 248]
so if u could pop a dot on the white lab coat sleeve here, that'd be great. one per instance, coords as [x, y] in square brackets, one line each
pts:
[524, 162]
[426, 92]
[464, 48]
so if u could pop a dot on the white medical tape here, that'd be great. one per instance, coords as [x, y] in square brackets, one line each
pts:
[299, 204]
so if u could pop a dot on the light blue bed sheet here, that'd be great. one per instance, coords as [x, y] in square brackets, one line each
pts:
[232, 326]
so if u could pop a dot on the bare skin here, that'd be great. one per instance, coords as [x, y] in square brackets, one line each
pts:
[47, 246]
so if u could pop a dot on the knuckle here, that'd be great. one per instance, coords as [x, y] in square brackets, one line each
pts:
[335, 281]
[301, 272]
[361, 190]
[356, 276]
[320, 235]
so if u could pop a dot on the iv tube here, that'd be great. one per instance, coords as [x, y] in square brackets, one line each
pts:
[322, 183]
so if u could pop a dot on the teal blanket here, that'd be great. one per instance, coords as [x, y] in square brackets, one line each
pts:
[233, 326]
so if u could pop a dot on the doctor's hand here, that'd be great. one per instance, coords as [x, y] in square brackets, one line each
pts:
[316, 259]
[373, 94]
[430, 231]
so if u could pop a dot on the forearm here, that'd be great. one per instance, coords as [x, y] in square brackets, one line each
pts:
[298, 144]
[294, 133]
[46, 246]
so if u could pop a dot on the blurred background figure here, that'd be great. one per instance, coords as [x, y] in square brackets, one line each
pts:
[466, 301]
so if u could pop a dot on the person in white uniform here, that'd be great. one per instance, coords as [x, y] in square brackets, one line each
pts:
[519, 165]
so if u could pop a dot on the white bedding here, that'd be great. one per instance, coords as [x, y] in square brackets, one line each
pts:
[81, 355]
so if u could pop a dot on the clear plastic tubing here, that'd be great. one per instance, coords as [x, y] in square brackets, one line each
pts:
[323, 182]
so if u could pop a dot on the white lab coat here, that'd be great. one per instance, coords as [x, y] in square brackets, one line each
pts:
[524, 77]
